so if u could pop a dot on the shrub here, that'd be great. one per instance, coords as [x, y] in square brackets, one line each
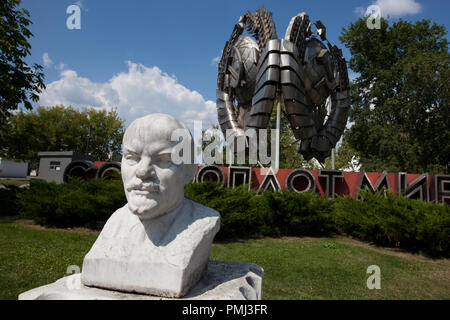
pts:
[78, 203]
[248, 214]
[395, 221]
[237, 218]
[385, 220]
[8, 200]
[305, 214]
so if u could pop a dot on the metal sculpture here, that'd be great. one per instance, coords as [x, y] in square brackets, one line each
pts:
[300, 68]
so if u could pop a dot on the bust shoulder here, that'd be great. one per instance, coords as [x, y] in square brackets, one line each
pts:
[121, 220]
[203, 211]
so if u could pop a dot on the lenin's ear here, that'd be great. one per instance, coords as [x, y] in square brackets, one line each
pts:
[190, 170]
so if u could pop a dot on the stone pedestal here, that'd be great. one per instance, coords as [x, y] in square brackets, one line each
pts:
[221, 281]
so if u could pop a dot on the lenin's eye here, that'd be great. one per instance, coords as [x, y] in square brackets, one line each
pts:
[132, 159]
[163, 161]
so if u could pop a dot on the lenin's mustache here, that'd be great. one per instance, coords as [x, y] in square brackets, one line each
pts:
[143, 186]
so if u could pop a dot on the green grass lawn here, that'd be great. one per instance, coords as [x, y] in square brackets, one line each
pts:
[295, 268]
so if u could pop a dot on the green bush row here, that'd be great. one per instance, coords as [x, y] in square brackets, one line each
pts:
[8, 200]
[246, 213]
[387, 220]
[394, 221]
[75, 204]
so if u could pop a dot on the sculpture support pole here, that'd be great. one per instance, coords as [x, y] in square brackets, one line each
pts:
[332, 159]
[277, 147]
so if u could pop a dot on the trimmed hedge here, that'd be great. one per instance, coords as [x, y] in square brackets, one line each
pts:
[247, 213]
[75, 204]
[386, 220]
[393, 221]
[8, 200]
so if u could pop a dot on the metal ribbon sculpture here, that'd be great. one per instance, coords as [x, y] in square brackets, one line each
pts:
[300, 67]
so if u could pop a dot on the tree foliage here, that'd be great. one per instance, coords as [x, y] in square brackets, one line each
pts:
[400, 101]
[62, 129]
[346, 158]
[19, 82]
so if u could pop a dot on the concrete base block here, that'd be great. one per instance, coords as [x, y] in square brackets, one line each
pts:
[221, 281]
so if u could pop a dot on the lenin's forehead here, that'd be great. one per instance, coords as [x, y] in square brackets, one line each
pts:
[151, 130]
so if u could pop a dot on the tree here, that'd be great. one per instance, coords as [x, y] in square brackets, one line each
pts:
[62, 129]
[19, 83]
[346, 158]
[400, 101]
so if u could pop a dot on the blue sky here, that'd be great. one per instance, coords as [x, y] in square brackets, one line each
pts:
[159, 56]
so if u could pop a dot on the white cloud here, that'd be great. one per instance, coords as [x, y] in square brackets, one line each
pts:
[61, 67]
[394, 8]
[215, 60]
[360, 11]
[81, 5]
[46, 60]
[137, 92]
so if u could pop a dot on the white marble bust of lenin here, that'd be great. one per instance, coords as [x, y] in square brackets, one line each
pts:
[159, 242]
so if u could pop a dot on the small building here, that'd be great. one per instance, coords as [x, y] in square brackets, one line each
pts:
[53, 163]
[13, 168]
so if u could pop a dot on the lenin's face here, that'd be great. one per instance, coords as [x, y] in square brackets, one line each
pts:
[153, 184]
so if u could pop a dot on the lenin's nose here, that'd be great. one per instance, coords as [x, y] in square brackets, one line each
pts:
[146, 170]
